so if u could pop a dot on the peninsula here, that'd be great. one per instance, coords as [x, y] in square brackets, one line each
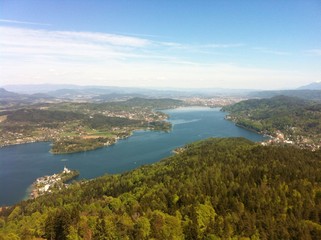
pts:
[53, 183]
[76, 127]
[288, 120]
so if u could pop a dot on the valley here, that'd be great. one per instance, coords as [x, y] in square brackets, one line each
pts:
[231, 187]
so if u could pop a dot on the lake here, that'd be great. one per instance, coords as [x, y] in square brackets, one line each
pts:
[20, 165]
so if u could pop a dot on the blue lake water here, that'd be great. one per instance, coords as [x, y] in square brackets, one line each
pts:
[20, 165]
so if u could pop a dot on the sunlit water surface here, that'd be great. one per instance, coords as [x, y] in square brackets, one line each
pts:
[20, 165]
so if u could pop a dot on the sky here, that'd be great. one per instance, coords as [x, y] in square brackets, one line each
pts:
[248, 44]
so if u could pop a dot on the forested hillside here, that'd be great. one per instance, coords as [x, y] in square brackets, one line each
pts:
[298, 119]
[217, 188]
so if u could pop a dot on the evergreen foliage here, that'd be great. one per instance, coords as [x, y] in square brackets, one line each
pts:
[293, 116]
[215, 189]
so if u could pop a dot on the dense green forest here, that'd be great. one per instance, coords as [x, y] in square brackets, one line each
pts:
[77, 144]
[214, 189]
[293, 116]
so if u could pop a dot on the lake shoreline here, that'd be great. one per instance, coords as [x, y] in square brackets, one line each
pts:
[33, 160]
[48, 184]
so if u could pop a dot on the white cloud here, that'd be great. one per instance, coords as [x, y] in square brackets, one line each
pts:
[199, 47]
[34, 42]
[43, 56]
[23, 22]
[102, 38]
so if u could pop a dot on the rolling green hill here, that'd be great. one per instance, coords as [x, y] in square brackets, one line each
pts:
[298, 119]
[215, 189]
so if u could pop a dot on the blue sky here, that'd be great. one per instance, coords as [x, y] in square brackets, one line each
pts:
[168, 44]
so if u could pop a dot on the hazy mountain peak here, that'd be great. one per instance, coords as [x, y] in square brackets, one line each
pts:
[312, 86]
[5, 93]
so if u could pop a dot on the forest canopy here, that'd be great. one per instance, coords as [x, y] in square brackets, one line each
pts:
[296, 118]
[214, 189]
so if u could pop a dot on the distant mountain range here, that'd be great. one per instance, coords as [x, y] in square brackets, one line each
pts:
[7, 97]
[74, 91]
[311, 86]
[314, 95]
[37, 92]
[38, 88]
[311, 91]
[6, 94]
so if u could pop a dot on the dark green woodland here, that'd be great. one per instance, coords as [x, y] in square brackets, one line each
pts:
[297, 118]
[214, 189]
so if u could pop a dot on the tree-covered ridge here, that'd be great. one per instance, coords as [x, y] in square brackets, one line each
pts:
[132, 105]
[77, 127]
[307, 94]
[215, 189]
[299, 120]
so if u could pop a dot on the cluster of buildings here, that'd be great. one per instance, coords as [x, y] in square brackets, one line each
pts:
[214, 101]
[46, 184]
[45, 134]
[146, 115]
[299, 141]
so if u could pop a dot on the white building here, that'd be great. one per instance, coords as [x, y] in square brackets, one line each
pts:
[66, 170]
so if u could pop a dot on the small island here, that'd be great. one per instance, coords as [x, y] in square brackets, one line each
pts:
[55, 182]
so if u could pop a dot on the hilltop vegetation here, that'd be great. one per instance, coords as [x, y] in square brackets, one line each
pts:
[298, 119]
[214, 189]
